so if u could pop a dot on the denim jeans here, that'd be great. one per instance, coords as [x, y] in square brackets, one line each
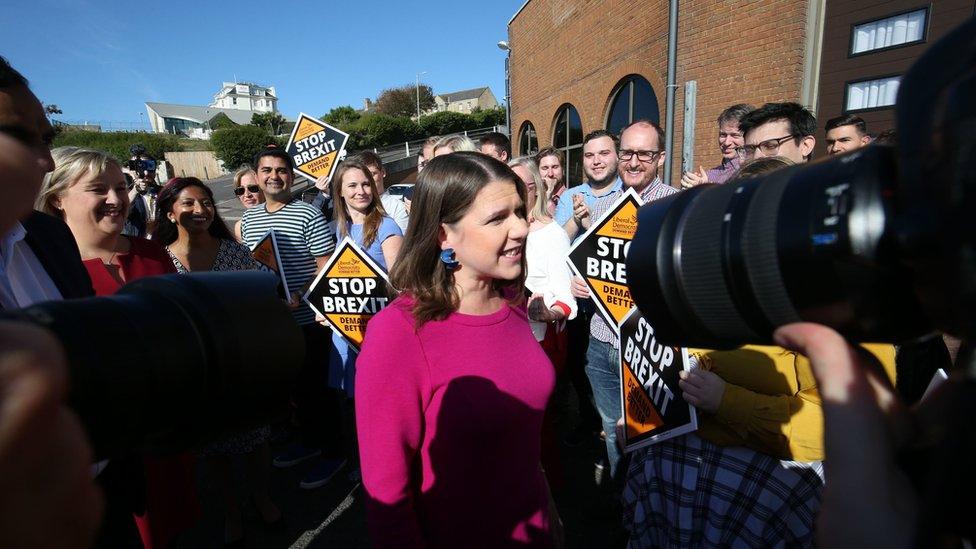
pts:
[603, 371]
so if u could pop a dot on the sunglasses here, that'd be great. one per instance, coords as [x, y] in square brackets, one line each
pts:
[253, 189]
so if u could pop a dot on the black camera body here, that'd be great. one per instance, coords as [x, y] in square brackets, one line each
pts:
[173, 361]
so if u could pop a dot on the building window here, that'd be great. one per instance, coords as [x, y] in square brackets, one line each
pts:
[871, 94]
[234, 100]
[528, 142]
[633, 99]
[897, 30]
[568, 137]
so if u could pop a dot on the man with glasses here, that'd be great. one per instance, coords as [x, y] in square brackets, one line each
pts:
[730, 139]
[641, 156]
[779, 129]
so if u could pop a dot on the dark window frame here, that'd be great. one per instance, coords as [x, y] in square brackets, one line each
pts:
[566, 148]
[523, 130]
[922, 40]
[847, 90]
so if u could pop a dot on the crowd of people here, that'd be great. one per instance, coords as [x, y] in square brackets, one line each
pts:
[453, 386]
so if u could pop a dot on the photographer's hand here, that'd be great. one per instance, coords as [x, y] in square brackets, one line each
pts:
[47, 495]
[867, 501]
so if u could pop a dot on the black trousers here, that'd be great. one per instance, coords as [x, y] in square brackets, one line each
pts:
[317, 406]
[578, 335]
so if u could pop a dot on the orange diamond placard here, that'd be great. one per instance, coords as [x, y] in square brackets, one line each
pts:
[349, 291]
[315, 147]
[599, 258]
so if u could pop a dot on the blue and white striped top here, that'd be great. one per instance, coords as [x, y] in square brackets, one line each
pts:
[302, 235]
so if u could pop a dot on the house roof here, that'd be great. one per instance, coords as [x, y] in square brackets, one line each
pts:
[473, 93]
[199, 114]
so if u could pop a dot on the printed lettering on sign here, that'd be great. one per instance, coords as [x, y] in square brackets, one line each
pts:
[315, 147]
[265, 254]
[599, 258]
[348, 292]
[652, 402]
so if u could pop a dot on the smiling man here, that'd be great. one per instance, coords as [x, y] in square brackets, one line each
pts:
[641, 155]
[304, 244]
[846, 133]
[600, 167]
[730, 138]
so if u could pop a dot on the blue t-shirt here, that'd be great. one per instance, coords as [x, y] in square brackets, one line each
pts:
[342, 359]
[564, 210]
[388, 228]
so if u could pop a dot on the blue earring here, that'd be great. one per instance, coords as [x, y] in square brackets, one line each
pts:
[447, 258]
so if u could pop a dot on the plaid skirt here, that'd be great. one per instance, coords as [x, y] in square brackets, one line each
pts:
[688, 492]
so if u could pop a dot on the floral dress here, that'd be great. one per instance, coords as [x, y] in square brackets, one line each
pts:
[231, 256]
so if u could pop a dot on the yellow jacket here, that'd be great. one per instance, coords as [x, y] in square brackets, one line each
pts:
[771, 403]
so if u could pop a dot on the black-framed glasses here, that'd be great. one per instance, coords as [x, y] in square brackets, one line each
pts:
[643, 156]
[253, 189]
[769, 147]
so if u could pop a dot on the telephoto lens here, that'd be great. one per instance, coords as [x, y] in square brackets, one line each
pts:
[173, 361]
[722, 265]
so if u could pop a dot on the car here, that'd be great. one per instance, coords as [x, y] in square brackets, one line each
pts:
[398, 189]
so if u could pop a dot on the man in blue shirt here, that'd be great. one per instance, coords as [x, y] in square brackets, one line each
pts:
[600, 167]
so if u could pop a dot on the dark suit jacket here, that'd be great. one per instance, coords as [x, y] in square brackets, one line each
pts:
[56, 249]
[138, 216]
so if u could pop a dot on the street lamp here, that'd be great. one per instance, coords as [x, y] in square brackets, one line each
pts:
[418, 94]
[503, 45]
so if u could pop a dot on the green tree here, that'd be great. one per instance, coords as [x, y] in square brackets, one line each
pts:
[341, 117]
[445, 122]
[272, 122]
[488, 117]
[402, 101]
[117, 143]
[236, 146]
[380, 130]
[221, 121]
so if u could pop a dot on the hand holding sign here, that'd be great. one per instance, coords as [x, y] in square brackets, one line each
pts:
[702, 389]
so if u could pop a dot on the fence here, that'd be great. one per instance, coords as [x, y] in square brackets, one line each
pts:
[200, 164]
[407, 149]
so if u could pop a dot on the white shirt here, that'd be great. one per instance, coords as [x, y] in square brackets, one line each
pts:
[23, 280]
[547, 273]
[396, 209]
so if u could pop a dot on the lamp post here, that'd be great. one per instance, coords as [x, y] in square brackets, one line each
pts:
[419, 74]
[503, 45]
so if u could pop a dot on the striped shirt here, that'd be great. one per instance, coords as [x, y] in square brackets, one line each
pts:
[302, 235]
[599, 328]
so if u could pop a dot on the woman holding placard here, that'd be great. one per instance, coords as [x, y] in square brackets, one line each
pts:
[452, 385]
[359, 215]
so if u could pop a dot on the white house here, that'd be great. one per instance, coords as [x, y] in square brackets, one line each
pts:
[237, 101]
[246, 96]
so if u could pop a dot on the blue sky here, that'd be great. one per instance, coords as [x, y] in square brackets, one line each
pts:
[101, 60]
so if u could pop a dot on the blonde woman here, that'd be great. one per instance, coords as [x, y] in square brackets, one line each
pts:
[247, 190]
[452, 144]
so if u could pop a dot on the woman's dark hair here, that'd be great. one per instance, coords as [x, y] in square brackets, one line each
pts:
[445, 191]
[166, 232]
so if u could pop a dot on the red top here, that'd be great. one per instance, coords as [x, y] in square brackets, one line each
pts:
[144, 258]
[449, 420]
[171, 500]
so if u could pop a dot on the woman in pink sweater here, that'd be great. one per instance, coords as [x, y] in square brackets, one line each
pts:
[451, 384]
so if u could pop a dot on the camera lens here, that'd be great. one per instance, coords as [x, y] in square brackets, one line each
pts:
[718, 265]
[172, 361]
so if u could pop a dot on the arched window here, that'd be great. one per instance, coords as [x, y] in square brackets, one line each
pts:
[528, 142]
[568, 137]
[633, 99]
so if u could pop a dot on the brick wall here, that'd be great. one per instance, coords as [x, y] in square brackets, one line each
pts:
[576, 51]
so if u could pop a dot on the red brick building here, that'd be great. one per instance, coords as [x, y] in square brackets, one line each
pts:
[580, 65]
